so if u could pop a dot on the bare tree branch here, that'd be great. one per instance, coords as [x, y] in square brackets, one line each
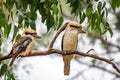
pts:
[55, 37]
[5, 57]
[52, 51]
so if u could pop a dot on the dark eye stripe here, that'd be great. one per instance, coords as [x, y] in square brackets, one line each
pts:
[74, 26]
[30, 33]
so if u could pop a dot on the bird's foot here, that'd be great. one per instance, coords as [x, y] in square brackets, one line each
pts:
[69, 52]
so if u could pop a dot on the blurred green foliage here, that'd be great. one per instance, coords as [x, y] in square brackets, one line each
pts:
[5, 73]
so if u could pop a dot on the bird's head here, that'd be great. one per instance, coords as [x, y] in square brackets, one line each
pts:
[30, 32]
[75, 25]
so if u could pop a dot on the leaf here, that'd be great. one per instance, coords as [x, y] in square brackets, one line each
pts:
[102, 14]
[9, 4]
[7, 30]
[75, 7]
[106, 10]
[50, 22]
[14, 33]
[60, 21]
[55, 10]
[3, 69]
[17, 37]
[99, 29]
[115, 4]
[99, 7]
[0, 42]
[33, 16]
[82, 18]
[89, 10]
[109, 29]
[20, 19]
[104, 3]
[3, 20]
[26, 24]
[104, 32]
[10, 75]
[80, 14]
[33, 25]
[71, 1]
[88, 1]
[93, 19]
[98, 26]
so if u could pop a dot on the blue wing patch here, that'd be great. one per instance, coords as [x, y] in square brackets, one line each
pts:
[23, 46]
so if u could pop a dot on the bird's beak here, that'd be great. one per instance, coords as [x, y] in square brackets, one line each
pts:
[81, 31]
[37, 37]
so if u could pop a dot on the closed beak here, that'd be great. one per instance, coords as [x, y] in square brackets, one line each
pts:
[37, 37]
[81, 31]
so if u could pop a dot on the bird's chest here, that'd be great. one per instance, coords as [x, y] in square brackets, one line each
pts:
[70, 40]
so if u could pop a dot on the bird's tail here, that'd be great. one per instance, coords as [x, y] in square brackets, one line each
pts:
[12, 61]
[67, 60]
[66, 68]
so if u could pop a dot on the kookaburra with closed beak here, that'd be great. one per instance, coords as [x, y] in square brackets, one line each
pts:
[24, 45]
[69, 42]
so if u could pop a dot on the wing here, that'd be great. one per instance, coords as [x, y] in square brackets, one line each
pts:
[19, 44]
[23, 46]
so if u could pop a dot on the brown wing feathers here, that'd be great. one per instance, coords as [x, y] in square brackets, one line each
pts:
[19, 47]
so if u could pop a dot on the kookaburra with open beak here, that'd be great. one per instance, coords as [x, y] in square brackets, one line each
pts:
[24, 45]
[69, 42]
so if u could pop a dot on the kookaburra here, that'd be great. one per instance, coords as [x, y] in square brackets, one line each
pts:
[69, 42]
[24, 45]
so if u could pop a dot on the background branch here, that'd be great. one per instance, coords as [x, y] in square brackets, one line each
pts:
[107, 44]
[98, 67]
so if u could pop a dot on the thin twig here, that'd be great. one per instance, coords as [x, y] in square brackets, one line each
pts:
[89, 51]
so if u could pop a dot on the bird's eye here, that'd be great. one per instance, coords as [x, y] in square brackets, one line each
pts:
[27, 33]
[31, 33]
[72, 26]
